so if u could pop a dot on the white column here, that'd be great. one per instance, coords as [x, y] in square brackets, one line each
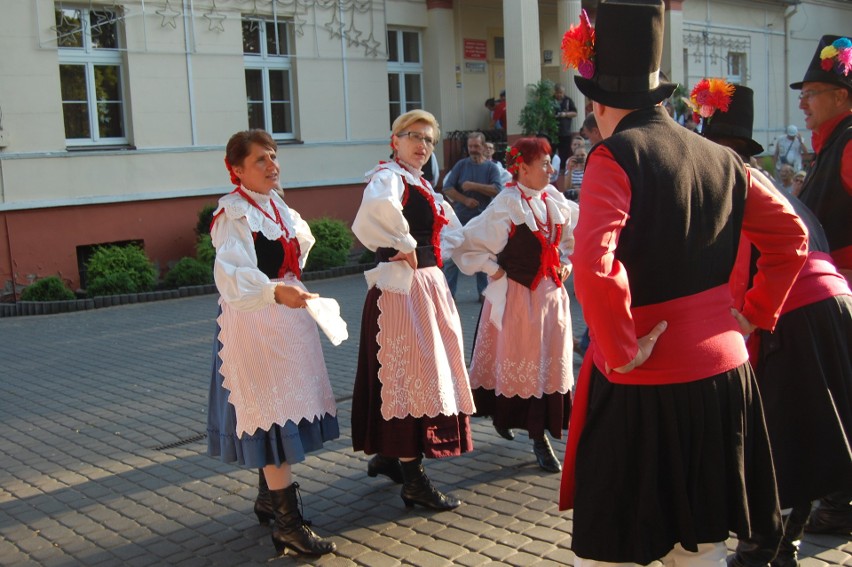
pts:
[672, 64]
[567, 15]
[523, 56]
[439, 88]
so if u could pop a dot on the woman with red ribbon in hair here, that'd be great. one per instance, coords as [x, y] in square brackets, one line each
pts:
[521, 370]
[270, 398]
[412, 396]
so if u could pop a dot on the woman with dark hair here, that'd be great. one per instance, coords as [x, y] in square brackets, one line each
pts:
[412, 396]
[521, 369]
[270, 398]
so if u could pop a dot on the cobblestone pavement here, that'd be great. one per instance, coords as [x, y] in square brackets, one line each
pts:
[102, 458]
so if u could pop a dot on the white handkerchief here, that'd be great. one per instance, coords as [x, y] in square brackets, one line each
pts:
[391, 276]
[495, 293]
[326, 312]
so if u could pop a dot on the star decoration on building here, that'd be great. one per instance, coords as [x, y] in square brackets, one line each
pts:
[371, 46]
[215, 19]
[299, 25]
[352, 34]
[333, 26]
[169, 15]
[67, 27]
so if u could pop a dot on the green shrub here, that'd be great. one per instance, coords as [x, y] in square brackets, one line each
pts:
[113, 283]
[188, 271]
[334, 239]
[367, 257]
[205, 217]
[119, 269]
[204, 250]
[51, 288]
[538, 115]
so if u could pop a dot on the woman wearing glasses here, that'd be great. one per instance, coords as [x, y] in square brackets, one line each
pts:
[412, 396]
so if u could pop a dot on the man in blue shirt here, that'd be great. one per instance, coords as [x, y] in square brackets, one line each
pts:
[471, 184]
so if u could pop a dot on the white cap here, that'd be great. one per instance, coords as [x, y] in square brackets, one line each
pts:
[792, 130]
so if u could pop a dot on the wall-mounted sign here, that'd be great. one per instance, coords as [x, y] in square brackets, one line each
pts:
[475, 49]
[474, 66]
[548, 56]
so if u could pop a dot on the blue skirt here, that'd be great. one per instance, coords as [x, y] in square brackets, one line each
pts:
[286, 443]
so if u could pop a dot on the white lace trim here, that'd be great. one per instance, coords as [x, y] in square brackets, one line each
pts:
[235, 207]
[521, 213]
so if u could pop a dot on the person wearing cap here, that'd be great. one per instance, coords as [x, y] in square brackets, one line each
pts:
[803, 368]
[667, 449]
[789, 150]
[826, 101]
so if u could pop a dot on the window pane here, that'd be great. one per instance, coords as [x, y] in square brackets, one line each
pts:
[394, 112]
[499, 48]
[76, 117]
[251, 36]
[255, 115]
[276, 46]
[393, 48]
[103, 29]
[254, 85]
[110, 120]
[281, 122]
[412, 92]
[279, 86]
[107, 79]
[411, 47]
[393, 88]
[69, 28]
[72, 81]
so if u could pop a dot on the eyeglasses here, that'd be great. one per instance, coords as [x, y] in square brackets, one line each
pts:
[806, 95]
[418, 137]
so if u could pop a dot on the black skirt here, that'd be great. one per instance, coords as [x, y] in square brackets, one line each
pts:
[432, 437]
[679, 463]
[804, 372]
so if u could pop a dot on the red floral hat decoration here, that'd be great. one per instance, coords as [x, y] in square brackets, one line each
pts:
[710, 95]
[578, 47]
[234, 179]
[837, 56]
[514, 158]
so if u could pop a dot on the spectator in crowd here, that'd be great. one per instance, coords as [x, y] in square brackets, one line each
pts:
[785, 178]
[565, 111]
[788, 150]
[666, 382]
[500, 111]
[590, 129]
[505, 176]
[574, 173]
[490, 103]
[826, 101]
[471, 185]
[798, 183]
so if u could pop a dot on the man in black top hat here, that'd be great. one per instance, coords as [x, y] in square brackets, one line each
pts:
[667, 448]
[807, 354]
[826, 100]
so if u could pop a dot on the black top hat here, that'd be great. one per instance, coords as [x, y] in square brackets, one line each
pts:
[736, 123]
[628, 50]
[828, 70]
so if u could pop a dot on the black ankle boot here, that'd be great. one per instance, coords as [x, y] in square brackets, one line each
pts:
[755, 551]
[832, 516]
[387, 466]
[263, 503]
[794, 529]
[505, 432]
[417, 489]
[290, 530]
[547, 460]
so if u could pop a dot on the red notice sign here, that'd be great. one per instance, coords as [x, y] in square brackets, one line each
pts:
[475, 49]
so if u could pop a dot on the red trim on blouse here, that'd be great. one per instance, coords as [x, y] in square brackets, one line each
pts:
[292, 250]
[549, 261]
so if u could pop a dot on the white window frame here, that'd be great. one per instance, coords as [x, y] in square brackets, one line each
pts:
[401, 68]
[739, 79]
[89, 57]
[265, 62]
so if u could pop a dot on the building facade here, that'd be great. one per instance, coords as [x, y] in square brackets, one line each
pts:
[114, 113]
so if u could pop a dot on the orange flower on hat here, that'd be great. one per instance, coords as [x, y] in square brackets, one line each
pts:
[710, 95]
[578, 47]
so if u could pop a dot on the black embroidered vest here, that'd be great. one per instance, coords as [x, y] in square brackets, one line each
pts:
[420, 215]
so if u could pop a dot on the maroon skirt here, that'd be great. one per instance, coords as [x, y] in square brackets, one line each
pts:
[535, 415]
[431, 437]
